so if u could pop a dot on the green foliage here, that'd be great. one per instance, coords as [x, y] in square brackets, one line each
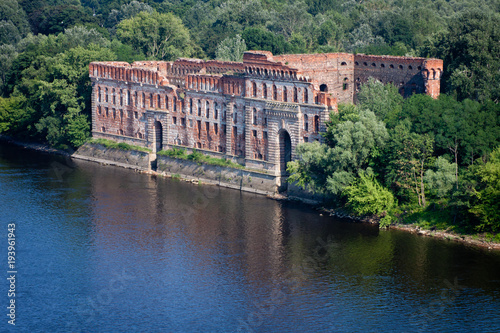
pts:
[199, 157]
[158, 36]
[174, 152]
[407, 157]
[366, 196]
[354, 140]
[487, 205]
[383, 100]
[117, 145]
[441, 180]
[470, 52]
[231, 49]
[261, 39]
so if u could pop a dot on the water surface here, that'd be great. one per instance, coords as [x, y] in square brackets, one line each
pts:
[104, 249]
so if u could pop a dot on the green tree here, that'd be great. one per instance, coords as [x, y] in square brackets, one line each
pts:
[367, 196]
[470, 51]
[487, 205]
[407, 157]
[158, 36]
[353, 144]
[13, 22]
[441, 180]
[383, 100]
[231, 49]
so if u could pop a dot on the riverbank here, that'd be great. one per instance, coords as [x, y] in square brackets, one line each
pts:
[477, 240]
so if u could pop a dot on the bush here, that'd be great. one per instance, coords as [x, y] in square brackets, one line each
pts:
[367, 196]
[118, 145]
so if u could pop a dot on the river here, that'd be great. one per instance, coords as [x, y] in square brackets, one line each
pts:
[105, 249]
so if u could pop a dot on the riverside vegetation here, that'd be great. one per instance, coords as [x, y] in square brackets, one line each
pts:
[435, 163]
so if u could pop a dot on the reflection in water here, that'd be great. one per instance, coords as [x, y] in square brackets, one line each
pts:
[107, 249]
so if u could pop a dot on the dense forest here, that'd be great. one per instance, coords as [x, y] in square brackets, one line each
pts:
[432, 162]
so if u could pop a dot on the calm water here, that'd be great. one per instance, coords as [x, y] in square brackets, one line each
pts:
[104, 249]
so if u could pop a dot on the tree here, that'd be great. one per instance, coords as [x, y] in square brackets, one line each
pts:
[441, 181]
[367, 196]
[13, 22]
[383, 99]
[352, 144]
[487, 205]
[407, 157]
[470, 52]
[126, 11]
[158, 36]
[231, 49]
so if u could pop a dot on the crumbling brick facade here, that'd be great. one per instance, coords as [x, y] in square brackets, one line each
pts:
[254, 112]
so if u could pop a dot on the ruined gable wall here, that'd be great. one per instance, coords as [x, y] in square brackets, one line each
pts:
[406, 73]
[329, 72]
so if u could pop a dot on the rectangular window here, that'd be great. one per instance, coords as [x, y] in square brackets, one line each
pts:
[174, 120]
[254, 133]
[216, 129]
[183, 122]
[136, 115]
[264, 135]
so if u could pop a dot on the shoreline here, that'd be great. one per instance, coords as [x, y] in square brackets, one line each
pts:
[467, 240]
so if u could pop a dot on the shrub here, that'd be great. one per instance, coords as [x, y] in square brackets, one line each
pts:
[367, 196]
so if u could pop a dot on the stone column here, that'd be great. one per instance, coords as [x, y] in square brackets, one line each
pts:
[229, 128]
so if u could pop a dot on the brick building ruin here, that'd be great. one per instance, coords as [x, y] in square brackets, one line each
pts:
[254, 112]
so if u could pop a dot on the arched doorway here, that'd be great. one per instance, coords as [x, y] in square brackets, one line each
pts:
[285, 144]
[158, 130]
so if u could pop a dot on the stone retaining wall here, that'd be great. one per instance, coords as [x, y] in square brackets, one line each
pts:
[99, 153]
[245, 180]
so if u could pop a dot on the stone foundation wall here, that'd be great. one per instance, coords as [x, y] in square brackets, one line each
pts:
[99, 153]
[244, 180]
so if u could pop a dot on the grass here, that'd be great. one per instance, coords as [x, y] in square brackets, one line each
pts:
[200, 158]
[118, 145]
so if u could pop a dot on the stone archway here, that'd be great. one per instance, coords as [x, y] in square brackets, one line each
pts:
[285, 150]
[158, 135]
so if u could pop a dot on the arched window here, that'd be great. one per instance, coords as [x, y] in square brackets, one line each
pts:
[106, 95]
[158, 101]
[199, 108]
[254, 114]
[135, 98]
[306, 123]
[98, 94]
[264, 91]
[345, 85]
[114, 97]
[121, 97]
[143, 100]
[254, 89]
[207, 109]
[216, 111]
[323, 87]
[235, 114]
[275, 93]
[306, 95]
[285, 95]
[151, 100]
[128, 97]
[295, 95]
[316, 124]
[191, 106]
[174, 102]
[166, 102]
